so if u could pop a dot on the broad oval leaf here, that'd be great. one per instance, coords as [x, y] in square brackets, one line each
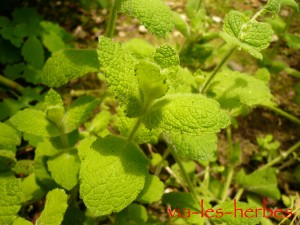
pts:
[153, 14]
[112, 175]
[186, 114]
[69, 64]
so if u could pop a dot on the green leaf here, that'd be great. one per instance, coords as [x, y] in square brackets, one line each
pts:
[235, 213]
[14, 71]
[23, 167]
[7, 160]
[181, 25]
[10, 190]
[262, 182]
[143, 135]
[166, 56]
[291, 3]
[139, 48]
[186, 114]
[119, 180]
[293, 41]
[21, 221]
[134, 214]
[33, 52]
[84, 147]
[118, 65]
[153, 190]
[232, 89]
[185, 203]
[79, 112]
[53, 105]
[64, 169]
[55, 208]
[34, 122]
[9, 53]
[9, 137]
[153, 14]
[272, 6]
[200, 147]
[31, 190]
[246, 34]
[66, 65]
[151, 81]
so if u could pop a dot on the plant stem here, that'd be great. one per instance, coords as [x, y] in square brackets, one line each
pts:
[184, 173]
[231, 167]
[227, 183]
[280, 157]
[10, 83]
[216, 70]
[112, 18]
[239, 194]
[284, 114]
[134, 130]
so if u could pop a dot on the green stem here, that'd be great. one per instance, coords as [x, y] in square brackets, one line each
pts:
[182, 169]
[281, 157]
[231, 167]
[284, 114]
[239, 194]
[216, 70]
[227, 183]
[112, 18]
[134, 130]
[10, 83]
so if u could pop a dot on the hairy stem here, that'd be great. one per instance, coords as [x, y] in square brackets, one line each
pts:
[10, 83]
[183, 171]
[281, 157]
[112, 18]
[284, 114]
[216, 70]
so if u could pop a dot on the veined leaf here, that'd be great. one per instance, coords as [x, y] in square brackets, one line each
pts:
[33, 52]
[165, 56]
[55, 208]
[118, 65]
[10, 202]
[66, 65]
[251, 36]
[79, 112]
[139, 48]
[34, 122]
[197, 147]
[262, 182]
[64, 169]
[232, 88]
[21, 221]
[291, 3]
[272, 6]
[153, 14]
[119, 179]
[9, 137]
[186, 114]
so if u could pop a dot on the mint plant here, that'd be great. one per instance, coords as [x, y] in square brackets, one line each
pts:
[92, 174]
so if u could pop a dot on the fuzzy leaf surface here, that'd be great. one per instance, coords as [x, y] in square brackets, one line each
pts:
[64, 169]
[55, 208]
[232, 89]
[21, 221]
[153, 14]
[34, 122]
[10, 203]
[9, 137]
[197, 147]
[186, 114]
[251, 36]
[272, 6]
[79, 112]
[66, 65]
[262, 182]
[118, 65]
[118, 181]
